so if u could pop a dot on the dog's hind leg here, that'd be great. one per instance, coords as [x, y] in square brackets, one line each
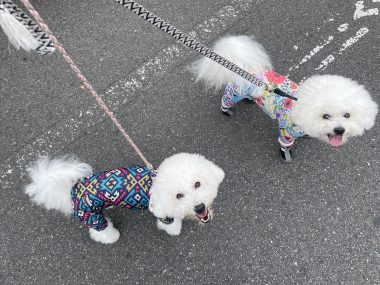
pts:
[229, 99]
[227, 112]
[107, 236]
[101, 228]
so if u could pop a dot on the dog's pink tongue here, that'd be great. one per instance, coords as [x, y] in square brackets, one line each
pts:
[335, 140]
[203, 214]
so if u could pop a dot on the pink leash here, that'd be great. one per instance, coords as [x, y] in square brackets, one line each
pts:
[86, 83]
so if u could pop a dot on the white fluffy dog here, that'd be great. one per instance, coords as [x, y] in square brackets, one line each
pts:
[184, 186]
[330, 108]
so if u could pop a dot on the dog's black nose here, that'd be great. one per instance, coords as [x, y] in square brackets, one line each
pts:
[339, 131]
[199, 209]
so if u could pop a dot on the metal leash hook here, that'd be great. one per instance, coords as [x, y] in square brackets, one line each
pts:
[192, 43]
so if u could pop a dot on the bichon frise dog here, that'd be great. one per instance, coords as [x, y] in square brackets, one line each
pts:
[184, 186]
[330, 108]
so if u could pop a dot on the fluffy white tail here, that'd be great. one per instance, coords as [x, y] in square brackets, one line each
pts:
[52, 181]
[17, 33]
[241, 50]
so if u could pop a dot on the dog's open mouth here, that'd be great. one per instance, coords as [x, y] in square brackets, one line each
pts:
[335, 140]
[205, 216]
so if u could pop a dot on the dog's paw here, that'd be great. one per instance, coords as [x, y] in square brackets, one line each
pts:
[227, 112]
[107, 236]
[249, 101]
[286, 154]
[173, 229]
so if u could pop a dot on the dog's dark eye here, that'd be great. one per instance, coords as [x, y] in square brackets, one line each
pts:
[347, 115]
[179, 196]
[197, 184]
[326, 116]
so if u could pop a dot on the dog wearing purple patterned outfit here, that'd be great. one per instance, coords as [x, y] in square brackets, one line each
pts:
[184, 186]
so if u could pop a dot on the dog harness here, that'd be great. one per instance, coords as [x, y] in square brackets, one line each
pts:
[126, 187]
[277, 107]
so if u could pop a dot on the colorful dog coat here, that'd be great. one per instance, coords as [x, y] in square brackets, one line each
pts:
[276, 106]
[125, 187]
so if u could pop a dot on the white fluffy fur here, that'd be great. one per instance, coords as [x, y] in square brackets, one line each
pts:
[52, 181]
[334, 95]
[17, 33]
[321, 94]
[107, 236]
[237, 50]
[178, 175]
[173, 229]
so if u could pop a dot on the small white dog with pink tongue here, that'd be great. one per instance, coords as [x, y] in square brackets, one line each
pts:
[184, 186]
[330, 108]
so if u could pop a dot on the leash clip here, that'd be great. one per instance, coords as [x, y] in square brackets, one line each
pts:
[281, 93]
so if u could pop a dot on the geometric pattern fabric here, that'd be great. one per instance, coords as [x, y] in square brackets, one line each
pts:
[126, 187]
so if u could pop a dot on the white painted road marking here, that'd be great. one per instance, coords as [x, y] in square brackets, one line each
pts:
[361, 12]
[313, 52]
[142, 78]
[326, 62]
[359, 34]
[348, 43]
[343, 27]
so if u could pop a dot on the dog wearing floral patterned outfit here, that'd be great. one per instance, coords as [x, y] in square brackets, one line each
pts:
[330, 108]
[184, 186]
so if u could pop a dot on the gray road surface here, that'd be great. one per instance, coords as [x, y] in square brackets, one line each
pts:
[315, 221]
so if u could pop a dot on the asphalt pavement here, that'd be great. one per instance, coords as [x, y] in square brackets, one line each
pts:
[314, 221]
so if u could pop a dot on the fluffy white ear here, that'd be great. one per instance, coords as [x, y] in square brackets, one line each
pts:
[219, 173]
[155, 206]
[365, 106]
[369, 119]
[17, 33]
[370, 115]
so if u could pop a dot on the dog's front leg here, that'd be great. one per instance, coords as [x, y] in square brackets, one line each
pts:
[107, 236]
[286, 153]
[285, 149]
[173, 229]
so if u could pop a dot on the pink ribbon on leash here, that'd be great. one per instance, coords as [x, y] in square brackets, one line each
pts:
[82, 78]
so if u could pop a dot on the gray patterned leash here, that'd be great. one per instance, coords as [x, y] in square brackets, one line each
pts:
[45, 45]
[194, 44]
